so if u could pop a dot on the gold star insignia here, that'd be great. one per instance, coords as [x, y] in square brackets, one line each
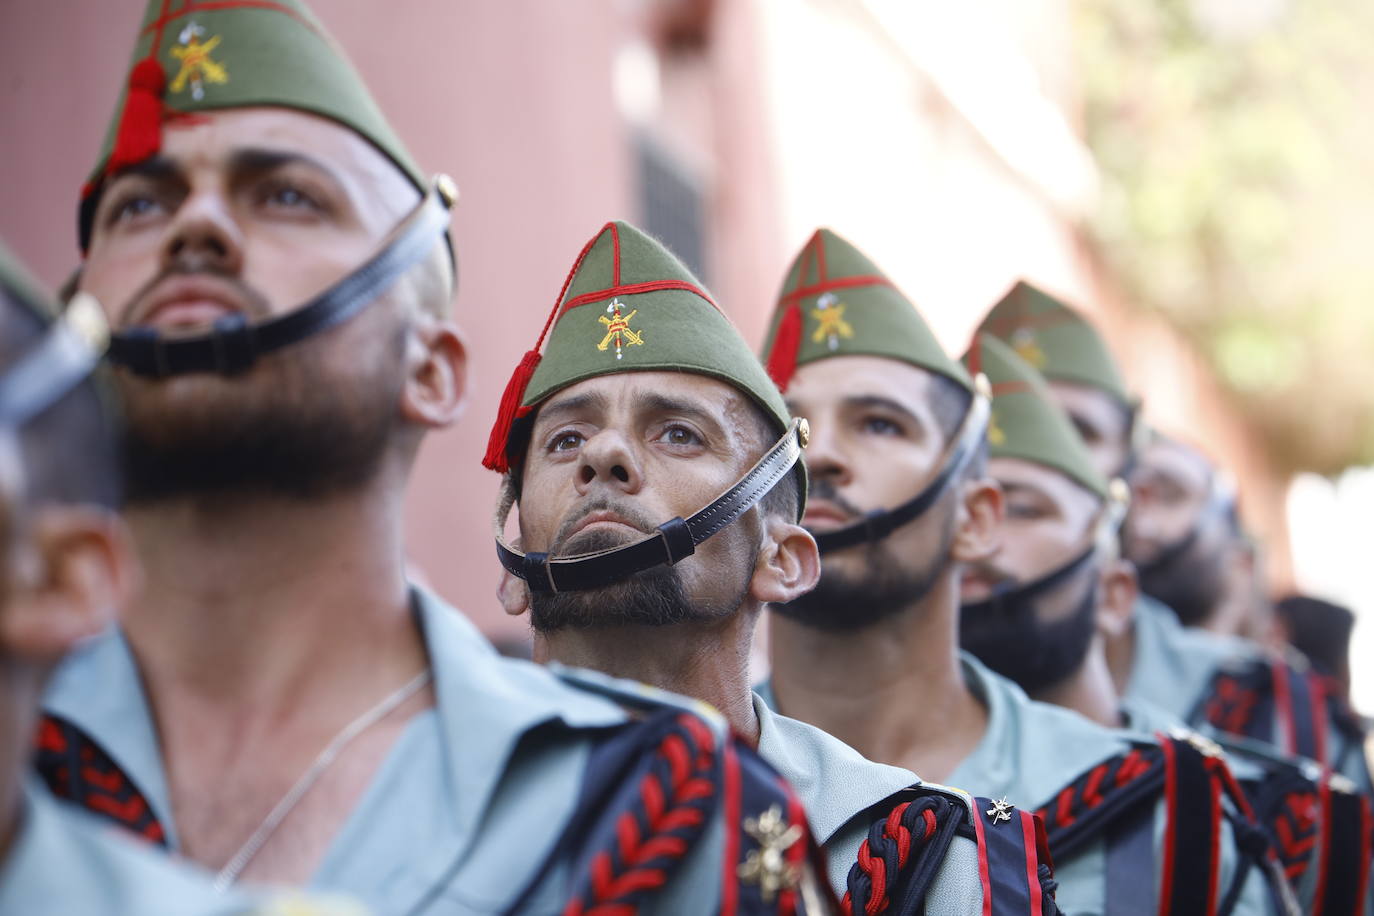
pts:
[995, 434]
[1001, 810]
[767, 866]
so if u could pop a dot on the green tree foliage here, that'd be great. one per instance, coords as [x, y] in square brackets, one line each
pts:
[1236, 143]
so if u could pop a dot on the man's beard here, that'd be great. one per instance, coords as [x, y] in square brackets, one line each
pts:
[888, 584]
[1190, 580]
[288, 427]
[656, 597]
[1009, 635]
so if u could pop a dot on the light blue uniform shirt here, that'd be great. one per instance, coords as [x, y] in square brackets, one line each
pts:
[837, 786]
[63, 863]
[1031, 751]
[1172, 667]
[468, 803]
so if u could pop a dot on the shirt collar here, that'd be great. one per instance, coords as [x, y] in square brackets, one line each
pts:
[834, 782]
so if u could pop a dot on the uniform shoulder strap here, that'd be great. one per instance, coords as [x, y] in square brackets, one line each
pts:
[652, 787]
[76, 769]
[906, 846]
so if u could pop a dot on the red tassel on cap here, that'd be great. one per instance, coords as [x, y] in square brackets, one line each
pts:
[140, 126]
[496, 458]
[782, 361]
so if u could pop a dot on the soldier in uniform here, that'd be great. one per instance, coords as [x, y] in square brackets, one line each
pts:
[1038, 610]
[901, 505]
[281, 705]
[1238, 687]
[68, 566]
[1186, 540]
[660, 485]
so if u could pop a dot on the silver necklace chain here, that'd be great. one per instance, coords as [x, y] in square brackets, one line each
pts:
[230, 872]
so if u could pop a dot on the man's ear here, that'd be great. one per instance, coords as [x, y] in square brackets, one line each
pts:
[76, 572]
[1117, 591]
[513, 593]
[789, 565]
[436, 380]
[978, 534]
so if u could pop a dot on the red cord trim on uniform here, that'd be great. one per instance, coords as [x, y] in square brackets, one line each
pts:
[210, 6]
[615, 254]
[983, 875]
[729, 885]
[975, 355]
[1317, 687]
[1166, 884]
[632, 289]
[1032, 861]
[794, 854]
[1283, 696]
[826, 286]
[1004, 388]
[1214, 859]
[1324, 863]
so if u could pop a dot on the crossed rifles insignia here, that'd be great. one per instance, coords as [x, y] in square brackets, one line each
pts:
[618, 330]
[767, 866]
[197, 67]
[830, 323]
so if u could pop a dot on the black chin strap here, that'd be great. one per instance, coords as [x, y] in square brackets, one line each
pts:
[673, 541]
[1220, 501]
[1106, 527]
[1012, 596]
[67, 353]
[234, 343]
[879, 523]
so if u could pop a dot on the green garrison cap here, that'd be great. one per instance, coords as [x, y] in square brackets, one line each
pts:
[1055, 339]
[202, 55]
[628, 305]
[1026, 421]
[835, 302]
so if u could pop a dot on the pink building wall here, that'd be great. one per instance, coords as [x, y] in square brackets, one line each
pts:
[788, 114]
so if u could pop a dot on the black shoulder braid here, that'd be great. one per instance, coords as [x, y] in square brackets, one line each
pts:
[76, 769]
[1253, 698]
[1114, 802]
[906, 846]
[650, 790]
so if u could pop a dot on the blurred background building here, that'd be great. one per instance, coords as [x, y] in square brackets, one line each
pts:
[962, 145]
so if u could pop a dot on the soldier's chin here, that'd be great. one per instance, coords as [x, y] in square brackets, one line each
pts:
[596, 540]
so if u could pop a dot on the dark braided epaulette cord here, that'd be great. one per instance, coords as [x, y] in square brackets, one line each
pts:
[904, 851]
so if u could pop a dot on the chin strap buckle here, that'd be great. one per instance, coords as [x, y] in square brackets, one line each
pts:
[235, 344]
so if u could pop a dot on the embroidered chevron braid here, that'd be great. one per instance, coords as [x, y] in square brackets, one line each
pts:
[1233, 701]
[76, 769]
[674, 800]
[890, 851]
[1139, 770]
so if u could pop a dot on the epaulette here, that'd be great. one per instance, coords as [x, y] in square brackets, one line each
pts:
[77, 770]
[1320, 828]
[652, 787]
[906, 846]
[1114, 802]
[1255, 697]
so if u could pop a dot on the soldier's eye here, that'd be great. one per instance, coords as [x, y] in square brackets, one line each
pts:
[288, 196]
[680, 435]
[132, 206]
[881, 426]
[1024, 511]
[566, 442]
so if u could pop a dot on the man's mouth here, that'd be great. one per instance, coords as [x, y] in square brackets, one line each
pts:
[187, 302]
[822, 516]
[601, 519]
